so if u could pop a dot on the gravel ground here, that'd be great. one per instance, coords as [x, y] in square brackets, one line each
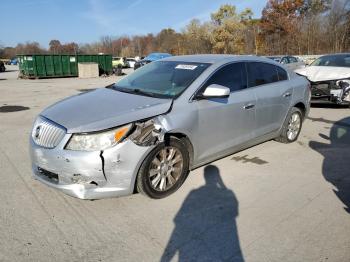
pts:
[272, 202]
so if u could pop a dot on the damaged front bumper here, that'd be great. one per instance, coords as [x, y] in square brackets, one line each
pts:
[335, 91]
[89, 175]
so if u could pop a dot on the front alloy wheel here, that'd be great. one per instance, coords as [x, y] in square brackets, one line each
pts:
[164, 169]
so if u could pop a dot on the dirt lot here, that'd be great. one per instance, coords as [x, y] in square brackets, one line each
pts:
[272, 202]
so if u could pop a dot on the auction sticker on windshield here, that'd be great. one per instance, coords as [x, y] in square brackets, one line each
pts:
[187, 67]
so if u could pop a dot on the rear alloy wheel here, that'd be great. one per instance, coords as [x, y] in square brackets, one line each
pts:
[164, 169]
[294, 125]
[291, 127]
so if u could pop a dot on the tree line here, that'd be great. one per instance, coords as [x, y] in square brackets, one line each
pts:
[285, 27]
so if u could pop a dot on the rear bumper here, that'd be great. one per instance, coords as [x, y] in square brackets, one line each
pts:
[88, 175]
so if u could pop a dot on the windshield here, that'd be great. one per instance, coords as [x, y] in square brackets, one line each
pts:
[165, 79]
[333, 60]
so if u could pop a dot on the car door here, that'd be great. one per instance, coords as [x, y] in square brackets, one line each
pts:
[273, 95]
[224, 123]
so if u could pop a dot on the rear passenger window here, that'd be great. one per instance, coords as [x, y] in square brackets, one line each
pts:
[282, 74]
[232, 76]
[261, 74]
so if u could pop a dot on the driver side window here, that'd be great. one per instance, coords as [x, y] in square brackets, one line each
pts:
[233, 76]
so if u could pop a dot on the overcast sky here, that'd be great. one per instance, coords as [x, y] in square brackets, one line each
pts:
[84, 21]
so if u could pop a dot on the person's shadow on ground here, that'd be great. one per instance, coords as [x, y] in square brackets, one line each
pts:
[336, 163]
[205, 226]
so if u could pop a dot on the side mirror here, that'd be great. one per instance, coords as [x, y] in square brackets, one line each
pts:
[216, 91]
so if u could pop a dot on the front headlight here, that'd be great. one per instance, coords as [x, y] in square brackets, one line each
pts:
[97, 141]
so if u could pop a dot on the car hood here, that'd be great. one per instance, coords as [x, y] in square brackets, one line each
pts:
[324, 73]
[102, 109]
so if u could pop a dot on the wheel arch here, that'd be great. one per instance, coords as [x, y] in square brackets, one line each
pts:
[302, 107]
[185, 139]
[179, 135]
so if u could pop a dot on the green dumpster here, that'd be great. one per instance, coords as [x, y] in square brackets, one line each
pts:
[44, 66]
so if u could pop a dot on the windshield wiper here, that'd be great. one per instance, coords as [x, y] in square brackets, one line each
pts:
[136, 91]
[141, 92]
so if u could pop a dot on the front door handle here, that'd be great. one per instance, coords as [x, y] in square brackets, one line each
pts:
[287, 94]
[248, 106]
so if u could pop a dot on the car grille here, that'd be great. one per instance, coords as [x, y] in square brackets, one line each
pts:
[46, 133]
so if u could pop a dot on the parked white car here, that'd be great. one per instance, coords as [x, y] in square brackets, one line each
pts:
[329, 76]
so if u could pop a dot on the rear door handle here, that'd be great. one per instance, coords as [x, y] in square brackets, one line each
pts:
[248, 106]
[287, 94]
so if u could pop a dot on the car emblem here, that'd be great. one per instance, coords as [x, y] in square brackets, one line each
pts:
[37, 132]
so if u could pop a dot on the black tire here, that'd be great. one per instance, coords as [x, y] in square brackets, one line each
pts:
[283, 138]
[143, 182]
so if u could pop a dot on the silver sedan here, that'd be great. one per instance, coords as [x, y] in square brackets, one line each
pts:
[148, 130]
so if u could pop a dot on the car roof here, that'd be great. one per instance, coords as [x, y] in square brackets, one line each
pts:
[337, 54]
[218, 59]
